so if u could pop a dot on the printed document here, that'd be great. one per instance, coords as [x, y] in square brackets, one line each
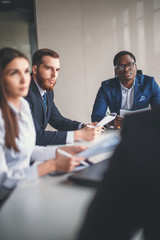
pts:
[107, 119]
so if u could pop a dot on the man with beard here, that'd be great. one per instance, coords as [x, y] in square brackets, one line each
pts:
[128, 90]
[45, 69]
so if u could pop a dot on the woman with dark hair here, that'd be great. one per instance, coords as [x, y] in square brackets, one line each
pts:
[17, 132]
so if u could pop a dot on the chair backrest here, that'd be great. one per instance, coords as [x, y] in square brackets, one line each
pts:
[138, 235]
[139, 72]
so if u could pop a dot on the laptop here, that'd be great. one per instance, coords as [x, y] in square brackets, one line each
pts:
[92, 175]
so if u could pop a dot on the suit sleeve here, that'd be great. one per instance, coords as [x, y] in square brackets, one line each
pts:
[59, 122]
[155, 98]
[100, 105]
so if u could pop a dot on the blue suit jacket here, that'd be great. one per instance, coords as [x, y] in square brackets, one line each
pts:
[52, 116]
[109, 96]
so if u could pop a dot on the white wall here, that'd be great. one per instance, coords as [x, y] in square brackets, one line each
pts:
[87, 34]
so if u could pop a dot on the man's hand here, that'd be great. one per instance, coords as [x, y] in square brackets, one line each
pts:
[92, 124]
[118, 122]
[73, 149]
[88, 133]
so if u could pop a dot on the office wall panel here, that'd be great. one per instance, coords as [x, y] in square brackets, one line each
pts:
[87, 34]
[14, 29]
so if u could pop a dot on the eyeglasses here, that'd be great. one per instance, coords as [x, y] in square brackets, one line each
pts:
[121, 67]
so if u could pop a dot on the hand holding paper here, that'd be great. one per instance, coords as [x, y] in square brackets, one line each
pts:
[105, 120]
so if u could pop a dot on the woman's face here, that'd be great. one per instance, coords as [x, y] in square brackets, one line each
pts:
[16, 77]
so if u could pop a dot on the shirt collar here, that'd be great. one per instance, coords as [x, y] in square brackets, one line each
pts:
[127, 89]
[21, 112]
[14, 109]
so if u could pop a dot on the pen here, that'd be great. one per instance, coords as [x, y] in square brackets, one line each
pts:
[66, 154]
[90, 126]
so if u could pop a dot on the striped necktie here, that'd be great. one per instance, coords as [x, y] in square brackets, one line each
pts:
[44, 100]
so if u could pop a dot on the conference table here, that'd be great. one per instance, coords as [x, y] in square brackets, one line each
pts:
[51, 207]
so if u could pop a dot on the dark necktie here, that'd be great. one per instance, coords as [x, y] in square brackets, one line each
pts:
[44, 100]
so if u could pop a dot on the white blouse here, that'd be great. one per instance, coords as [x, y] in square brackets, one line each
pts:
[15, 166]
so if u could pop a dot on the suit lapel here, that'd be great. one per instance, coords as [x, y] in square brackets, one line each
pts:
[118, 95]
[48, 109]
[39, 99]
[136, 92]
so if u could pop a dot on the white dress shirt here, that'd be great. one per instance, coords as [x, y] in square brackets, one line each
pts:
[127, 97]
[15, 166]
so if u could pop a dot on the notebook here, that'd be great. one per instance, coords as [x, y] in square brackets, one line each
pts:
[92, 175]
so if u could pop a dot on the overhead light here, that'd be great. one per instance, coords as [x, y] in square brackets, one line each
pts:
[6, 1]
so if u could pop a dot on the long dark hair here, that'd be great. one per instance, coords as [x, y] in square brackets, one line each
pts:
[11, 125]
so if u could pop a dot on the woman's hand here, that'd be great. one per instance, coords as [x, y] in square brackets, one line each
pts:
[67, 164]
[62, 163]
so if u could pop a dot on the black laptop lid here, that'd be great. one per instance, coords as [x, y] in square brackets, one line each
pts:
[92, 175]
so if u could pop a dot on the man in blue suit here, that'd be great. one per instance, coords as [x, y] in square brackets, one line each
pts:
[46, 65]
[128, 90]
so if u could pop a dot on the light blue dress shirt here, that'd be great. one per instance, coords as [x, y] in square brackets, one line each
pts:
[127, 97]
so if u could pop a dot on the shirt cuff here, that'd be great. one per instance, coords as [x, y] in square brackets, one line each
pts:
[41, 153]
[70, 137]
[82, 125]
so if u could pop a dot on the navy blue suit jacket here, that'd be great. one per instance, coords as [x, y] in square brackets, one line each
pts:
[109, 96]
[41, 118]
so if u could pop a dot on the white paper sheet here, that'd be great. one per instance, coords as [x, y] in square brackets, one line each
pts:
[107, 119]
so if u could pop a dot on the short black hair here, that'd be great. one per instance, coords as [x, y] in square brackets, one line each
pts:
[39, 54]
[122, 53]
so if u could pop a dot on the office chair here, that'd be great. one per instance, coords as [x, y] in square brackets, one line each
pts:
[139, 72]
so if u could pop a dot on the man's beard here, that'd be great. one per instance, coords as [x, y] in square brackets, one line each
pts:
[43, 83]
